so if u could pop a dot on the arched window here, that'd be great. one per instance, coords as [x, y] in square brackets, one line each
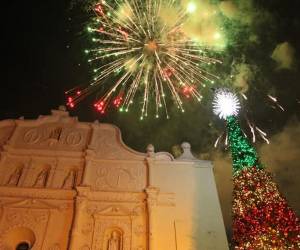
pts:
[23, 246]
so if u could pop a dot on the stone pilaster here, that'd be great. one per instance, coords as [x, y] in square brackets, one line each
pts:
[152, 196]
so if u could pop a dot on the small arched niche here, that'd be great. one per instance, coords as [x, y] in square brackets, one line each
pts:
[113, 239]
[20, 238]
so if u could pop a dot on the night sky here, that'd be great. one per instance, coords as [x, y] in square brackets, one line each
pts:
[43, 46]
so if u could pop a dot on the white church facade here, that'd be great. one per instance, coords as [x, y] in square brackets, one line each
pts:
[66, 184]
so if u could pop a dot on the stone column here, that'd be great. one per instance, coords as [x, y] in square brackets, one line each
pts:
[86, 171]
[53, 168]
[152, 193]
[78, 213]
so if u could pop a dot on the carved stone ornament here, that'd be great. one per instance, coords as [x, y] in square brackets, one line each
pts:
[70, 180]
[112, 210]
[54, 247]
[122, 177]
[32, 136]
[73, 138]
[139, 230]
[112, 233]
[53, 136]
[15, 177]
[87, 228]
[187, 154]
[42, 194]
[131, 197]
[91, 210]
[85, 247]
[42, 178]
[115, 241]
[152, 196]
[26, 217]
[139, 210]
[150, 150]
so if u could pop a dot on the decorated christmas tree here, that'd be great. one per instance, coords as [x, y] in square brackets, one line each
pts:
[262, 218]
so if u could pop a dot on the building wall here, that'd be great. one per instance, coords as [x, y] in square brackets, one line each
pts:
[66, 184]
[187, 207]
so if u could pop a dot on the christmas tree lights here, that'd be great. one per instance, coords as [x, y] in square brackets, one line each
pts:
[262, 219]
[242, 153]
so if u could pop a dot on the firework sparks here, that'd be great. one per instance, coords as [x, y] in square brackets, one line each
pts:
[225, 103]
[140, 53]
[275, 101]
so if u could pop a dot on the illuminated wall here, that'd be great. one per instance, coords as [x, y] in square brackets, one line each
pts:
[66, 184]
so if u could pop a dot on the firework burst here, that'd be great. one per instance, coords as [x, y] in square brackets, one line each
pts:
[142, 54]
[225, 104]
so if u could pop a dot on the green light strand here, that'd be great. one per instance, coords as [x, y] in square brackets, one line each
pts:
[242, 152]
